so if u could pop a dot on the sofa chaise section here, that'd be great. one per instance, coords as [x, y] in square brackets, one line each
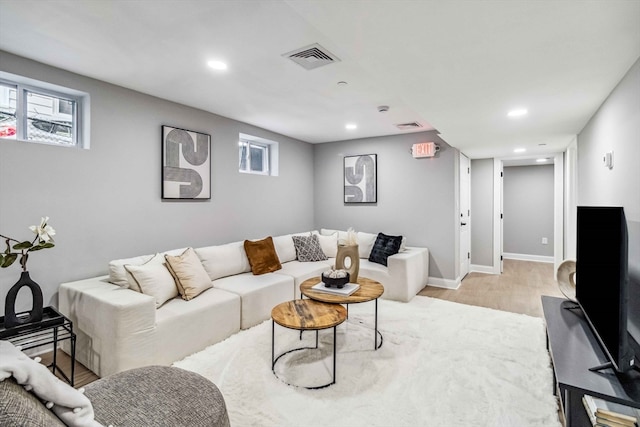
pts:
[119, 329]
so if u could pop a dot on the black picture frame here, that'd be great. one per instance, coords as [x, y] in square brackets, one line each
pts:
[186, 164]
[360, 178]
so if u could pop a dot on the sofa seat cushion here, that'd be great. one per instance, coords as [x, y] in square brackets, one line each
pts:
[259, 294]
[185, 327]
[301, 271]
[374, 271]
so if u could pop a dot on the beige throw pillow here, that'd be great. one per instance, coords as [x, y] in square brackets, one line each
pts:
[191, 277]
[154, 279]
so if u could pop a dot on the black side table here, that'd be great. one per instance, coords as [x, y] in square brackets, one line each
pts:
[53, 328]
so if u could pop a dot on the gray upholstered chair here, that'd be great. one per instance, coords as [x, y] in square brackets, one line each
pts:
[149, 396]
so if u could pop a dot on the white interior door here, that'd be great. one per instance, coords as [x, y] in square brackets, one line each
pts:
[465, 215]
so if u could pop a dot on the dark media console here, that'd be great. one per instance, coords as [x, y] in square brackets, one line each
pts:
[574, 350]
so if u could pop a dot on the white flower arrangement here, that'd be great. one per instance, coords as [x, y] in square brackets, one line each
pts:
[43, 240]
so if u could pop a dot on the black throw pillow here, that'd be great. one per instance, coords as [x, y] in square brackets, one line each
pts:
[384, 247]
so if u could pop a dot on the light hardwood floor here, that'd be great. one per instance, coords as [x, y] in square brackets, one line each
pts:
[518, 289]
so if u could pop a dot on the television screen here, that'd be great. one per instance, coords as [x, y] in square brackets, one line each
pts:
[602, 278]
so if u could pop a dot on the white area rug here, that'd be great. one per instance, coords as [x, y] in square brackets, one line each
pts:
[441, 364]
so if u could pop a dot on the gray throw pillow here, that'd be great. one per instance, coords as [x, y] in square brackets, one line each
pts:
[308, 248]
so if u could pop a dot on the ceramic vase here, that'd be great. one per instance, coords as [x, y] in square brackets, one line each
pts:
[35, 315]
[352, 253]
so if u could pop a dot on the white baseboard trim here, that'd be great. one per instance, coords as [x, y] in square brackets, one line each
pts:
[488, 269]
[525, 257]
[439, 282]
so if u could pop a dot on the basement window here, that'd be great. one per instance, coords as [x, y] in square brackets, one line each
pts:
[34, 111]
[257, 155]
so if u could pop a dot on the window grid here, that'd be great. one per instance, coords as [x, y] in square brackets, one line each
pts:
[254, 157]
[41, 115]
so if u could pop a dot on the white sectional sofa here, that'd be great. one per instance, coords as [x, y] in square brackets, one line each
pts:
[118, 328]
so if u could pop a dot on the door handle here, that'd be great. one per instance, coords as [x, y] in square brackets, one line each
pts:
[463, 223]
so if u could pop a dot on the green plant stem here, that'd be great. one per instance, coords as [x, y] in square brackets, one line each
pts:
[24, 256]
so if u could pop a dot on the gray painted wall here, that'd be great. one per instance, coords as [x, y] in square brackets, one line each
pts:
[416, 197]
[528, 210]
[615, 127]
[482, 212]
[105, 202]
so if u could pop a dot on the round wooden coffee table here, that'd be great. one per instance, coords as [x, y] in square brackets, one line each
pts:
[306, 315]
[370, 290]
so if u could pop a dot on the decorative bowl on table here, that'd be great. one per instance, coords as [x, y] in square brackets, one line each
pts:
[335, 278]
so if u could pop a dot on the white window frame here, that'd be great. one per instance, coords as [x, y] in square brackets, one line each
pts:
[80, 114]
[269, 159]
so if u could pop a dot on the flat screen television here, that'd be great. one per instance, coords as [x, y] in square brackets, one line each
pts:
[605, 291]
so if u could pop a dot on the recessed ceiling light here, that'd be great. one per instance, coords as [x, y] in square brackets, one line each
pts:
[517, 113]
[217, 65]
[541, 160]
[351, 126]
[519, 150]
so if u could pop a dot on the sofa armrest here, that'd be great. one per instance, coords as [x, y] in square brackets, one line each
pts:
[409, 270]
[114, 325]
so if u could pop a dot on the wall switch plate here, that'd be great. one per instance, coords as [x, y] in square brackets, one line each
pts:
[545, 241]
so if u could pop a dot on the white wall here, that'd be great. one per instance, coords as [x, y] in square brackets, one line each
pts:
[417, 198]
[105, 202]
[528, 210]
[615, 127]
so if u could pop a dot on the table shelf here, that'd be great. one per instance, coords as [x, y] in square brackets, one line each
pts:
[52, 329]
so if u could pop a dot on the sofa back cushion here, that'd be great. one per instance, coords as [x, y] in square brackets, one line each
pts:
[117, 272]
[365, 244]
[285, 249]
[329, 244]
[224, 260]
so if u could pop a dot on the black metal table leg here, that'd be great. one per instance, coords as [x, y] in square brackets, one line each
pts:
[55, 349]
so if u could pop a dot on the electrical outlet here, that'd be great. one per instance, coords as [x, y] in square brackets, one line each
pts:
[545, 241]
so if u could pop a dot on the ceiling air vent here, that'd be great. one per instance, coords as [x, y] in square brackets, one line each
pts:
[312, 56]
[409, 126]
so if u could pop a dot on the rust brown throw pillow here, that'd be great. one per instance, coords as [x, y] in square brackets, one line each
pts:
[262, 256]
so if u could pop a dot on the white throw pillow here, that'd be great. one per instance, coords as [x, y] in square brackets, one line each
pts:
[131, 281]
[154, 279]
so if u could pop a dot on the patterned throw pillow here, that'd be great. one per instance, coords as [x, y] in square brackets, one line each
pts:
[308, 248]
[384, 247]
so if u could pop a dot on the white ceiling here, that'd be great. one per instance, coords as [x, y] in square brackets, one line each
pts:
[456, 66]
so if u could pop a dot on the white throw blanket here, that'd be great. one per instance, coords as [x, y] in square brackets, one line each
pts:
[69, 404]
